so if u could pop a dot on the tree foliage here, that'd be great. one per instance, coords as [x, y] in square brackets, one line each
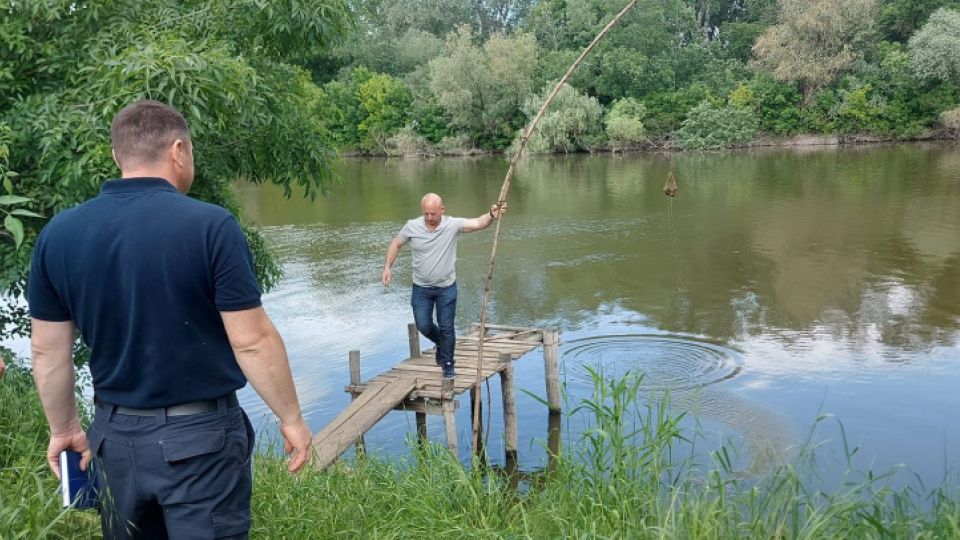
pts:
[482, 88]
[815, 41]
[935, 49]
[711, 125]
[572, 123]
[624, 123]
[227, 65]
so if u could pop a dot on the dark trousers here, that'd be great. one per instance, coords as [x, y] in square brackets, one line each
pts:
[173, 476]
[424, 301]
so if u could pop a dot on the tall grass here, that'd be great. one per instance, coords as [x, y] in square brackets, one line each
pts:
[621, 480]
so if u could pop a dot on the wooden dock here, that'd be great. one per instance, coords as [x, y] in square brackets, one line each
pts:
[415, 384]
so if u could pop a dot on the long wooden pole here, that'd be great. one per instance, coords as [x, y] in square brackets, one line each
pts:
[503, 198]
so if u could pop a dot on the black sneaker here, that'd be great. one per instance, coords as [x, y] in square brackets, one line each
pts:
[448, 372]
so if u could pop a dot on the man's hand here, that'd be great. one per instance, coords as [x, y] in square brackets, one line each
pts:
[498, 209]
[386, 276]
[76, 441]
[298, 440]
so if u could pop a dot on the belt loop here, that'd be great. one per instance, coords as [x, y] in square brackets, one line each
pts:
[222, 406]
[111, 409]
[161, 415]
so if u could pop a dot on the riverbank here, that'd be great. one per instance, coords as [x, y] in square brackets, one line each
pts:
[605, 485]
[425, 150]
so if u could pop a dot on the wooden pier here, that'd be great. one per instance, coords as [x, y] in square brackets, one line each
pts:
[415, 384]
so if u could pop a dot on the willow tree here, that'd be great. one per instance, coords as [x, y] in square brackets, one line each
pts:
[228, 65]
[815, 41]
[935, 48]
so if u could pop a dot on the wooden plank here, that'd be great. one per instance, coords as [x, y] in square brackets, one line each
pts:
[360, 416]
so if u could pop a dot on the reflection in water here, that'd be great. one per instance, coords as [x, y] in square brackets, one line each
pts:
[834, 272]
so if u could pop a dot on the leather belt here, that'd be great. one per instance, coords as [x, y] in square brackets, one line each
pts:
[182, 409]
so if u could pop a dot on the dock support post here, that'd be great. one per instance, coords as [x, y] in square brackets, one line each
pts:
[413, 337]
[355, 381]
[551, 350]
[450, 423]
[509, 412]
[479, 452]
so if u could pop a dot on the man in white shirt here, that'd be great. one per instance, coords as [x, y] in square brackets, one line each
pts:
[433, 241]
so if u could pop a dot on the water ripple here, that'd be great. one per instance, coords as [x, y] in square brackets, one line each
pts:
[668, 362]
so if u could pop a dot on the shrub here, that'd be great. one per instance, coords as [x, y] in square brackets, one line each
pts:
[625, 123]
[712, 126]
[573, 122]
[951, 120]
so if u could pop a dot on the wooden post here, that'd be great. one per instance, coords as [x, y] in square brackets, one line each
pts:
[509, 412]
[413, 335]
[354, 381]
[553, 442]
[450, 423]
[551, 353]
[421, 427]
[479, 452]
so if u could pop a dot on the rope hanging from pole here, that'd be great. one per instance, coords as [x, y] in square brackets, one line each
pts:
[502, 199]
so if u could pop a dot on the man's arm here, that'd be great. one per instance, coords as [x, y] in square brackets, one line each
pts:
[263, 360]
[484, 221]
[392, 251]
[51, 345]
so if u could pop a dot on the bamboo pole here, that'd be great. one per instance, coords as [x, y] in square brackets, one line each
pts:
[503, 198]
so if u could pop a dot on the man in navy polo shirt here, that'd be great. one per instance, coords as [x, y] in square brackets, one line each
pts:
[163, 291]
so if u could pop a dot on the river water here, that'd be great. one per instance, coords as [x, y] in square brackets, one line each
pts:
[777, 287]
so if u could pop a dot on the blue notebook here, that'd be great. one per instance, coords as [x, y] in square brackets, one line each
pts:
[78, 488]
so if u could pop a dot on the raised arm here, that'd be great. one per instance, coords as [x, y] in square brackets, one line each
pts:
[482, 222]
[51, 345]
[263, 360]
[392, 251]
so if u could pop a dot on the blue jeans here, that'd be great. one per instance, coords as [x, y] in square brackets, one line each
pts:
[442, 334]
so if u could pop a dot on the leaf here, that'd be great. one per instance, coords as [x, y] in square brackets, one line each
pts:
[27, 213]
[13, 199]
[8, 185]
[13, 225]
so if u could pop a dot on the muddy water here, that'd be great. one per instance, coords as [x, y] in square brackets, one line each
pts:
[776, 287]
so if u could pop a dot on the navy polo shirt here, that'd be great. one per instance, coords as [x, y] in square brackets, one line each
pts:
[143, 271]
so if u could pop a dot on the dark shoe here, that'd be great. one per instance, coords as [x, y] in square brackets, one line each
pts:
[448, 372]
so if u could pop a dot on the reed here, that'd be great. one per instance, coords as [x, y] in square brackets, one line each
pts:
[623, 479]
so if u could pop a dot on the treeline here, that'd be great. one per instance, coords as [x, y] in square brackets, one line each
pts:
[457, 76]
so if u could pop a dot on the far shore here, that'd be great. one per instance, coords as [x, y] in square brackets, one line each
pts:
[670, 145]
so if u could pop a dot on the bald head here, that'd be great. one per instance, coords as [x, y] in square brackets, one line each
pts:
[432, 206]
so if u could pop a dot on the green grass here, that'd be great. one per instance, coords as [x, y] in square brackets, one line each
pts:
[605, 486]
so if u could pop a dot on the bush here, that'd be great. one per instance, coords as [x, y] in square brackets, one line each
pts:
[711, 126]
[625, 123]
[409, 143]
[573, 122]
[951, 120]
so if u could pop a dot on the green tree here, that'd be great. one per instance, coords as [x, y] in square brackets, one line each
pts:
[572, 123]
[386, 104]
[482, 88]
[899, 19]
[710, 125]
[624, 123]
[935, 48]
[228, 65]
[815, 41]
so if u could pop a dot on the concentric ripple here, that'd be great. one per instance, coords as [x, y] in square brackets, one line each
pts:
[665, 361]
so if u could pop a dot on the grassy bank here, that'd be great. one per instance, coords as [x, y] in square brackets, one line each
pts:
[605, 487]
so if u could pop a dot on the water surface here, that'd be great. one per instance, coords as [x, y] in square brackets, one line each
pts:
[777, 286]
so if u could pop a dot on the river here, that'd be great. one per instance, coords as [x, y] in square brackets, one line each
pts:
[778, 286]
